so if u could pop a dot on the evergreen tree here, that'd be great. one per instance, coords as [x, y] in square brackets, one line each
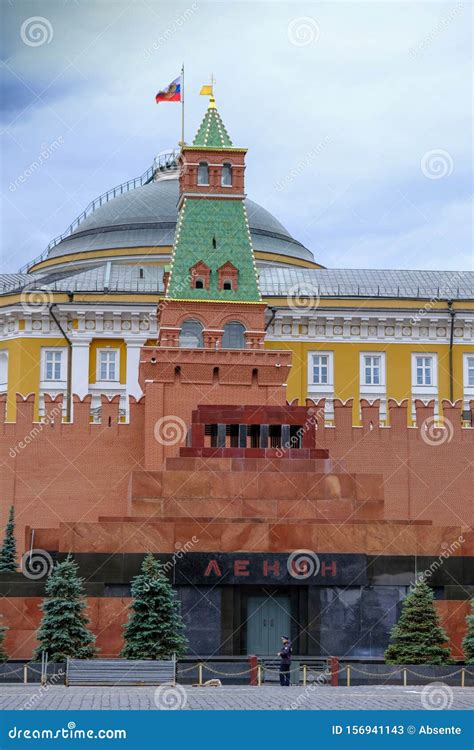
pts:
[8, 550]
[3, 653]
[155, 628]
[63, 629]
[418, 637]
[468, 640]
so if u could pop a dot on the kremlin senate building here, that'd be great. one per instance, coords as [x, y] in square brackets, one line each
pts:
[179, 375]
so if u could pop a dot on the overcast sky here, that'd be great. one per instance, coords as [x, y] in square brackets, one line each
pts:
[357, 116]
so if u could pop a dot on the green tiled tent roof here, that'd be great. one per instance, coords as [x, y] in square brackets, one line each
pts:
[201, 222]
[212, 132]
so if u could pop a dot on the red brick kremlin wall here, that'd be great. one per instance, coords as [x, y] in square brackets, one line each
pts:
[60, 473]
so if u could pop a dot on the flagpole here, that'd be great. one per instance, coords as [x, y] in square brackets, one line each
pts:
[182, 106]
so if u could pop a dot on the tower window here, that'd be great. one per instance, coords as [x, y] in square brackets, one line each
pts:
[203, 173]
[226, 176]
[227, 277]
[233, 336]
[200, 275]
[141, 274]
[190, 336]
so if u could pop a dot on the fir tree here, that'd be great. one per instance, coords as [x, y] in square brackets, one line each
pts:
[8, 551]
[468, 640]
[418, 637]
[63, 629]
[155, 628]
[3, 653]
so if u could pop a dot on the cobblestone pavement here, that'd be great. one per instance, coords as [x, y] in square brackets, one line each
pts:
[32, 697]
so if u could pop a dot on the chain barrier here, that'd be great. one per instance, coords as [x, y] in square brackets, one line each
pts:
[204, 665]
[444, 676]
[226, 674]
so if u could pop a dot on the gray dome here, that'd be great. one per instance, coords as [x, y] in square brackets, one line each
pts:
[146, 217]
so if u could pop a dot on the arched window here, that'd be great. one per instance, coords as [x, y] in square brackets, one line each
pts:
[199, 284]
[234, 336]
[203, 173]
[190, 336]
[226, 177]
[227, 285]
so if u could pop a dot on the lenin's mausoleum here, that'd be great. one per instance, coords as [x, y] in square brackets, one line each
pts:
[178, 375]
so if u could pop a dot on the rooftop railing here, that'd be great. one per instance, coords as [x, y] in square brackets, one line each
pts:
[162, 163]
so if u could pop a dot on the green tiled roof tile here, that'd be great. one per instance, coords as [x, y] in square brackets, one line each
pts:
[200, 222]
[212, 132]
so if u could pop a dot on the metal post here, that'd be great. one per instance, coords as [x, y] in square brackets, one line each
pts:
[463, 676]
[305, 674]
[25, 674]
[348, 671]
[259, 675]
[404, 678]
[200, 675]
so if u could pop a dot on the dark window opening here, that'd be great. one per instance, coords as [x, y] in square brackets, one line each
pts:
[199, 284]
[296, 436]
[214, 242]
[254, 435]
[141, 273]
[228, 285]
[274, 433]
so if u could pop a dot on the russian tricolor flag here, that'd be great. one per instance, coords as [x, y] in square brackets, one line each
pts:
[171, 93]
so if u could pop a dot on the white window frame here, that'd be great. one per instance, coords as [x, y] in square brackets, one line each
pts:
[324, 386]
[56, 382]
[371, 391]
[3, 370]
[468, 389]
[466, 357]
[108, 350]
[432, 389]
[377, 387]
[322, 390]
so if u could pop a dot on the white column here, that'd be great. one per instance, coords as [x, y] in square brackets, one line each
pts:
[80, 366]
[133, 362]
